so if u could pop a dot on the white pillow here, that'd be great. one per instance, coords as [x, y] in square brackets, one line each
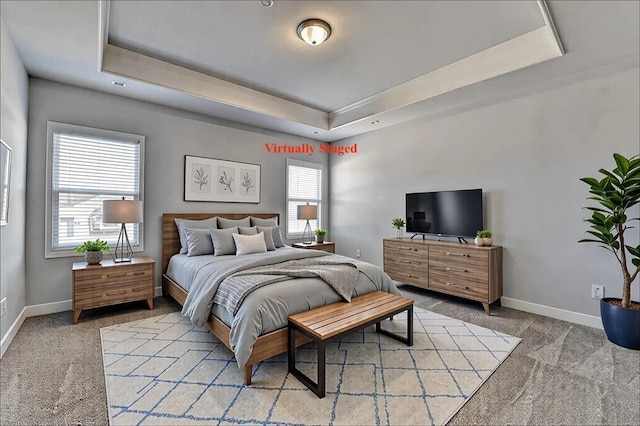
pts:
[247, 244]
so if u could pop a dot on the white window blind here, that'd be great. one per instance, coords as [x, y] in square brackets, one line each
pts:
[304, 185]
[86, 167]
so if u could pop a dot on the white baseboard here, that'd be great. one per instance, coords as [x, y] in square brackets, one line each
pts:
[48, 308]
[11, 333]
[548, 311]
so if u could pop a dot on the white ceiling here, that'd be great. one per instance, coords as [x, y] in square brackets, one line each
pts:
[385, 61]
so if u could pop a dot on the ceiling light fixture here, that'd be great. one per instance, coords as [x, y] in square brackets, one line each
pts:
[314, 31]
[266, 3]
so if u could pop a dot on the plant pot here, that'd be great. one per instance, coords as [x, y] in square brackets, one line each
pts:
[479, 241]
[487, 241]
[92, 257]
[399, 233]
[319, 238]
[622, 325]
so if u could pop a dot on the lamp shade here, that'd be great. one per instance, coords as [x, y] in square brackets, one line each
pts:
[122, 211]
[307, 212]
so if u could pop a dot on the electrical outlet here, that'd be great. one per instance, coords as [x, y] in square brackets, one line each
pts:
[358, 254]
[597, 291]
[3, 307]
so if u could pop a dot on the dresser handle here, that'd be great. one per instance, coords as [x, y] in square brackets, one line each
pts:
[458, 286]
[402, 261]
[406, 275]
[457, 254]
[116, 275]
[404, 248]
[456, 269]
[114, 293]
[139, 273]
[139, 289]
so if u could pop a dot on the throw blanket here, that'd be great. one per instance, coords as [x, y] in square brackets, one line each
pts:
[337, 271]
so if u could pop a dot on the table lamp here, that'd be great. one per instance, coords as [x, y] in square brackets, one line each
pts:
[122, 211]
[307, 212]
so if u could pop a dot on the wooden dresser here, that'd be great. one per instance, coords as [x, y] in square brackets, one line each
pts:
[110, 283]
[463, 270]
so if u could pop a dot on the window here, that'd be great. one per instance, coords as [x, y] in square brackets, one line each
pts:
[304, 185]
[86, 166]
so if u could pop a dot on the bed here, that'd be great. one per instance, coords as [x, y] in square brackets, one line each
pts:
[271, 340]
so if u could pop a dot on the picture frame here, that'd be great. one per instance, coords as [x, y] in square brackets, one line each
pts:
[212, 179]
[5, 181]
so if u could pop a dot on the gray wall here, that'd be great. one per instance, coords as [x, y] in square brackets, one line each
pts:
[13, 128]
[170, 134]
[527, 154]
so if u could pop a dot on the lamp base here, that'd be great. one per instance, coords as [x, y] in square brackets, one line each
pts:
[122, 251]
[307, 236]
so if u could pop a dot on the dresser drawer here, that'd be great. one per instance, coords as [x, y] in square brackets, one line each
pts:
[454, 285]
[409, 277]
[108, 276]
[459, 255]
[404, 250]
[102, 295]
[460, 270]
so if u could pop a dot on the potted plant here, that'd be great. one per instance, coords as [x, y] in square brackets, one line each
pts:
[484, 238]
[398, 223]
[320, 233]
[616, 193]
[93, 250]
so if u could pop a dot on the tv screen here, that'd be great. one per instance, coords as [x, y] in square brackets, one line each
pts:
[451, 213]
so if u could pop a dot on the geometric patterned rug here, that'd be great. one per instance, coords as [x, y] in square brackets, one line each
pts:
[163, 370]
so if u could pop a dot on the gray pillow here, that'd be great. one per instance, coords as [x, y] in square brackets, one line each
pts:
[256, 221]
[248, 244]
[230, 223]
[268, 236]
[198, 242]
[248, 231]
[277, 236]
[183, 224]
[223, 241]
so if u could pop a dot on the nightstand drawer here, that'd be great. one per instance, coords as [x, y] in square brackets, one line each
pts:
[109, 276]
[108, 295]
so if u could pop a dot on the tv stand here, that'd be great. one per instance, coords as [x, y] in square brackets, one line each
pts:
[461, 240]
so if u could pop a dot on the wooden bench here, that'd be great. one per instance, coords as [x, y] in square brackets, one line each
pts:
[330, 322]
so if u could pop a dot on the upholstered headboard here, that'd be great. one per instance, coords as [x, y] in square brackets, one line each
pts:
[171, 240]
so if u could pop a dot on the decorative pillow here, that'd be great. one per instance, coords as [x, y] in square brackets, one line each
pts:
[268, 236]
[182, 224]
[248, 231]
[230, 223]
[247, 244]
[223, 241]
[256, 221]
[198, 242]
[277, 236]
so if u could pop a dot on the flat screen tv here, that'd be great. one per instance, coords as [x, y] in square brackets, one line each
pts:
[445, 213]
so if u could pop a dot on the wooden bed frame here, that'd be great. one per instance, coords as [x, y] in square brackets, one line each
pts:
[267, 345]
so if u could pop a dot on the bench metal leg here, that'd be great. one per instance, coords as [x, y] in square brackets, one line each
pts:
[316, 387]
[409, 339]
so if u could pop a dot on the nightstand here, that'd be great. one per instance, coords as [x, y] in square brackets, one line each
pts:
[326, 246]
[110, 283]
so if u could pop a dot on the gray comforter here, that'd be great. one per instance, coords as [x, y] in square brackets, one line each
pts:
[266, 309]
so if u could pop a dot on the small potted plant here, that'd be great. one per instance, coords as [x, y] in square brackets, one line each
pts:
[320, 233]
[398, 223]
[484, 238]
[617, 194]
[93, 250]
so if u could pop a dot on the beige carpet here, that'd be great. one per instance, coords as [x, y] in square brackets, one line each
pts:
[162, 370]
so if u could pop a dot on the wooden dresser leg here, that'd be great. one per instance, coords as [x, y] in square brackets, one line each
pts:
[248, 371]
[486, 308]
[76, 315]
[150, 303]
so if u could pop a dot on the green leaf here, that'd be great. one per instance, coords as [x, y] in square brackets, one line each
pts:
[591, 181]
[635, 251]
[622, 162]
[636, 262]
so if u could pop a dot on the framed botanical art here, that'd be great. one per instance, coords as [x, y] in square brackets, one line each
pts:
[210, 179]
[5, 181]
